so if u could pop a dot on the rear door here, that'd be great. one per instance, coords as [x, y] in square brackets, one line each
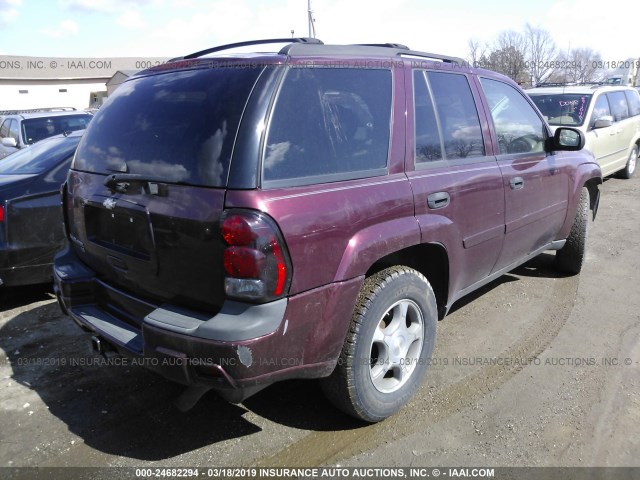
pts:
[624, 129]
[603, 141]
[535, 183]
[456, 182]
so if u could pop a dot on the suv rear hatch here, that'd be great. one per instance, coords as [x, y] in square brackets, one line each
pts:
[147, 185]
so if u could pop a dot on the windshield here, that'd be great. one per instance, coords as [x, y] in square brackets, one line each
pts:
[39, 157]
[36, 129]
[176, 127]
[564, 108]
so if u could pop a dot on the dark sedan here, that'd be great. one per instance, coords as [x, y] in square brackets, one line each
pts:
[30, 214]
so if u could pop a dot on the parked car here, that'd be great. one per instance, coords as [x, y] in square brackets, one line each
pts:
[21, 128]
[30, 214]
[608, 116]
[238, 220]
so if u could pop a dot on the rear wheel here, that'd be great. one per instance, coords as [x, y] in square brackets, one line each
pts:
[388, 346]
[570, 258]
[631, 163]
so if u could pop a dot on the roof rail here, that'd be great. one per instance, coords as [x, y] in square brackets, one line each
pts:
[434, 56]
[313, 46]
[37, 110]
[385, 50]
[229, 46]
[571, 84]
[388, 45]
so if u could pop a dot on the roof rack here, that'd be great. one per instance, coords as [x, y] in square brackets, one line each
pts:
[381, 49]
[37, 110]
[387, 45]
[313, 46]
[570, 84]
[229, 46]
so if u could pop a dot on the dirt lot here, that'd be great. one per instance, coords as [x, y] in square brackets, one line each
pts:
[534, 370]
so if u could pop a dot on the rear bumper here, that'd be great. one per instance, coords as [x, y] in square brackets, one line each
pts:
[237, 351]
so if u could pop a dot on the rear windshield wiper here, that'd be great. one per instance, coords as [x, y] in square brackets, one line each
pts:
[122, 182]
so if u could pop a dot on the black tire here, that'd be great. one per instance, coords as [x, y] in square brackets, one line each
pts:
[632, 162]
[570, 258]
[360, 386]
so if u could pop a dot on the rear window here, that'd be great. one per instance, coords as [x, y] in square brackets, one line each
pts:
[328, 124]
[40, 157]
[36, 129]
[568, 109]
[175, 127]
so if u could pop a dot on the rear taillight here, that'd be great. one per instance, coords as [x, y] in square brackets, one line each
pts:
[256, 261]
[1, 213]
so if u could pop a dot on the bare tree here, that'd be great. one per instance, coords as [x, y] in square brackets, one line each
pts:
[580, 65]
[541, 53]
[508, 56]
[477, 52]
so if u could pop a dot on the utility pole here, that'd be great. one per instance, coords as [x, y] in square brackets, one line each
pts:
[312, 25]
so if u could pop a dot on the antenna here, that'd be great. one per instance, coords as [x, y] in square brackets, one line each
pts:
[312, 21]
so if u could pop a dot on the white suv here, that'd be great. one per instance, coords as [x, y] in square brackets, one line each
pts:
[608, 116]
[21, 128]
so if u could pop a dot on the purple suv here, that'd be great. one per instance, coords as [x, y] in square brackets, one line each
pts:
[243, 219]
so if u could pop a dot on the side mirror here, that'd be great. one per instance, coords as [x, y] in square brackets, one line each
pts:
[568, 139]
[9, 142]
[603, 122]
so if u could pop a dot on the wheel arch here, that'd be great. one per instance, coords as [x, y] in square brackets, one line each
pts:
[430, 259]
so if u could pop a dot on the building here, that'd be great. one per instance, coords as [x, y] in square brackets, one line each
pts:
[117, 78]
[43, 82]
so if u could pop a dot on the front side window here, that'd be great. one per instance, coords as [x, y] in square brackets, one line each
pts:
[14, 132]
[568, 109]
[518, 127]
[456, 110]
[328, 124]
[4, 129]
[600, 109]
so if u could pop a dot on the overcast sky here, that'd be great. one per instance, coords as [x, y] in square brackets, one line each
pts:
[167, 28]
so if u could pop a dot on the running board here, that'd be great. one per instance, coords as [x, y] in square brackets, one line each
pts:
[555, 245]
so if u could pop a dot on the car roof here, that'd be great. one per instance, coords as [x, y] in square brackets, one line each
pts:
[252, 53]
[42, 113]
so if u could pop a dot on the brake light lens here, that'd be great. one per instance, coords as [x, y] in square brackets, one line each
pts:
[256, 261]
[1, 213]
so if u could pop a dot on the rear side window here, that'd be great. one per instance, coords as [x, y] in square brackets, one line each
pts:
[428, 145]
[176, 127]
[459, 123]
[328, 125]
[619, 107]
[633, 97]
[518, 127]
